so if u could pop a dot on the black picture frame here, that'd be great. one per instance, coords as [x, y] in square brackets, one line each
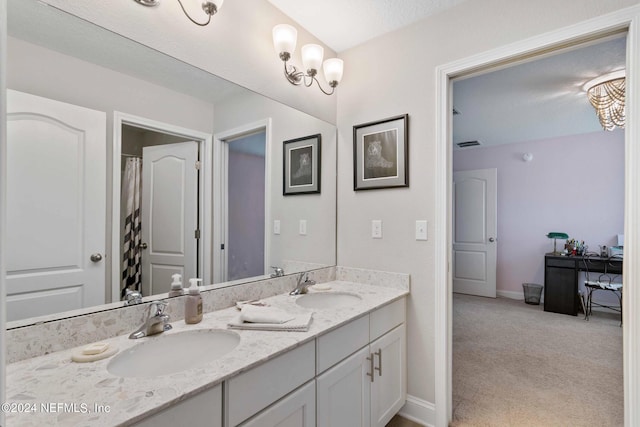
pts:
[381, 154]
[302, 165]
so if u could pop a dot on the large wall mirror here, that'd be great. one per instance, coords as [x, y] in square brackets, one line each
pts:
[127, 166]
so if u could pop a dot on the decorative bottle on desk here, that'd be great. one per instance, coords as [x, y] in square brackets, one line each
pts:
[193, 303]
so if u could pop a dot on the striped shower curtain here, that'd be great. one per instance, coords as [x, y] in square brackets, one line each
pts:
[131, 200]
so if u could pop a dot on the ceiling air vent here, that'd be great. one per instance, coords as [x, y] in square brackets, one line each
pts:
[468, 144]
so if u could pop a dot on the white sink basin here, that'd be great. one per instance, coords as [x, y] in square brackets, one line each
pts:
[328, 300]
[166, 354]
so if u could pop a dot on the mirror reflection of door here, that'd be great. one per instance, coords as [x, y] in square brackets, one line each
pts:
[159, 209]
[56, 204]
[245, 207]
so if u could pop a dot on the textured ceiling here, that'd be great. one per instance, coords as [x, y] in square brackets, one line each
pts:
[536, 100]
[342, 24]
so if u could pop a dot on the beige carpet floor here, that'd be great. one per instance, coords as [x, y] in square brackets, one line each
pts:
[517, 365]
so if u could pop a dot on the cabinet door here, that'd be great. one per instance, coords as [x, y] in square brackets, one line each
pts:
[561, 290]
[202, 410]
[343, 393]
[389, 388]
[295, 410]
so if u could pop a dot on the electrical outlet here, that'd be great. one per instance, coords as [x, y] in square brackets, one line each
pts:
[421, 230]
[276, 226]
[303, 227]
[376, 229]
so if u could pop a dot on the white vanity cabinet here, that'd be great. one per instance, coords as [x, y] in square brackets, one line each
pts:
[203, 409]
[369, 387]
[250, 392]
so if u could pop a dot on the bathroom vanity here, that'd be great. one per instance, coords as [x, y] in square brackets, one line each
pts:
[350, 366]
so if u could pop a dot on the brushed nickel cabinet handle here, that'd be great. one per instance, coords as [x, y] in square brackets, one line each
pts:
[379, 368]
[371, 374]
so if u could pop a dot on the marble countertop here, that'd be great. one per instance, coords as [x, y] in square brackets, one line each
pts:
[53, 390]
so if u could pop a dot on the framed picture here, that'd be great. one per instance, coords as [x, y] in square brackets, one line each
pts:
[380, 154]
[302, 162]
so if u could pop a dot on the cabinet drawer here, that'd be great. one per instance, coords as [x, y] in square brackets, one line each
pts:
[297, 409]
[340, 343]
[566, 263]
[250, 392]
[386, 318]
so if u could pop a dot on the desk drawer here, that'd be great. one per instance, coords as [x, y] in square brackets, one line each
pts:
[563, 263]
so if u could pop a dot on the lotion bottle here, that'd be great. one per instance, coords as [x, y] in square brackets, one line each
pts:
[193, 303]
[176, 286]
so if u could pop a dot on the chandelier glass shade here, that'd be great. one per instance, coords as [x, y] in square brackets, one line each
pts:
[606, 94]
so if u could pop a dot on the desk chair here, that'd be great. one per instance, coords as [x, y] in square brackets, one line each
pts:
[601, 280]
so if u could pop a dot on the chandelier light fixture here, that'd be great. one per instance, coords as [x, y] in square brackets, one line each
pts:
[284, 41]
[606, 94]
[210, 8]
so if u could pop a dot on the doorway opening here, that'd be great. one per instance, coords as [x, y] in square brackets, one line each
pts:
[159, 207]
[242, 200]
[590, 30]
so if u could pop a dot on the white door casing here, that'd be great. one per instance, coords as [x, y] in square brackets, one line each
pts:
[169, 214]
[220, 203]
[56, 206]
[474, 232]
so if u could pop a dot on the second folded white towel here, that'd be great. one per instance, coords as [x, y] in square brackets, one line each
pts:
[256, 314]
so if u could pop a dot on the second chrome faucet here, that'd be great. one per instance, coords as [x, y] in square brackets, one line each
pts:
[155, 323]
[301, 287]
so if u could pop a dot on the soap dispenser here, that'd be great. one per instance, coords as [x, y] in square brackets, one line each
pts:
[176, 286]
[193, 303]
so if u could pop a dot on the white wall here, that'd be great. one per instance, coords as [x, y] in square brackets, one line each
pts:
[237, 45]
[318, 246]
[395, 74]
[3, 174]
[574, 184]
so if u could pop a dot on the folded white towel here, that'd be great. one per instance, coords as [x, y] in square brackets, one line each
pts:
[258, 314]
[300, 323]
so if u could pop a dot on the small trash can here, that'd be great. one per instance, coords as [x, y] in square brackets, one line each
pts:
[532, 293]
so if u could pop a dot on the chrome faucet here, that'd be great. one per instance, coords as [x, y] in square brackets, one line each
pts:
[156, 323]
[132, 297]
[277, 272]
[301, 287]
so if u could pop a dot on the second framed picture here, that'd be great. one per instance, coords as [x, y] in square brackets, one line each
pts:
[381, 154]
[302, 165]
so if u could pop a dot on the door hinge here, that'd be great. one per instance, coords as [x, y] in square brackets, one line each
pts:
[197, 164]
[222, 247]
[197, 234]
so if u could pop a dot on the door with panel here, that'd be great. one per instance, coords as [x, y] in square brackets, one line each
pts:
[343, 392]
[388, 388]
[474, 232]
[56, 206]
[169, 214]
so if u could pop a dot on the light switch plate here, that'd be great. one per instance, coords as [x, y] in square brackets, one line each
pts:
[376, 229]
[303, 227]
[276, 226]
[421, 230]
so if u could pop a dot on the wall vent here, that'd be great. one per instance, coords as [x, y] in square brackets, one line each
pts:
[468, 144]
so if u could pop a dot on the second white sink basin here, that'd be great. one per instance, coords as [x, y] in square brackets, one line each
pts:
[328, 300]
[166, 354]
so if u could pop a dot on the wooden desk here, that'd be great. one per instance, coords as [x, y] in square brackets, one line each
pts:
[561, 280]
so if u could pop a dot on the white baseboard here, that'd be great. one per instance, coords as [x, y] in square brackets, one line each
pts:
[419, 411]
[510, 294]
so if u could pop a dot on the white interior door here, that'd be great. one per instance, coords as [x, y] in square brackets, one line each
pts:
[169, 214]
[56, 206]
[474, 232]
